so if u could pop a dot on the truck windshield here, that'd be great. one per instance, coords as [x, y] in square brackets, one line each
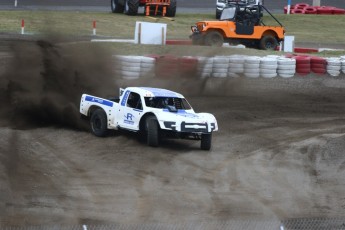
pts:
[163, 102]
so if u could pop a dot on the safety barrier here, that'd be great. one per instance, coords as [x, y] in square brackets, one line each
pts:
[271, 66]
[304, 8]
[133, 67]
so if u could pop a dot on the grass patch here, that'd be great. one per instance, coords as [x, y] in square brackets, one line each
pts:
[317, 29]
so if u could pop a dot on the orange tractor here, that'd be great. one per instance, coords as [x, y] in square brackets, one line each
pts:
[239, 24]
[130, 7]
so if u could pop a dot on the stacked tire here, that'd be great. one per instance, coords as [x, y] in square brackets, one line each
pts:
[303, 8]
[318, 65]
[128, 67]
[252, 67]
[167, 66]
[204, 67]
[268, 67]
[303, 65]
[147, 67]
[236, 65]
[188, 66]
[334, 66]
[342, 58]
[286, 67]
[220, 66]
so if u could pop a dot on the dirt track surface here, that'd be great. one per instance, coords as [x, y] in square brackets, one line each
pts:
[279, 152]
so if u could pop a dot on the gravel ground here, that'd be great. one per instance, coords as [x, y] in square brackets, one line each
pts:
[278, 153]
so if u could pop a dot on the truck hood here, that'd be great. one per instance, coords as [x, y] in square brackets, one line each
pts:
[185, 115]
[202, 25]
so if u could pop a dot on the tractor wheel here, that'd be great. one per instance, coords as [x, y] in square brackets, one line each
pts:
[152, 129]
[206, 141]
[268, 43]
[214, 38]
[171, 10]
[132, 7]
[98, 123]
[116, 7]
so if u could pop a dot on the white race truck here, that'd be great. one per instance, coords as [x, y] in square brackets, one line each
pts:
[153, 112]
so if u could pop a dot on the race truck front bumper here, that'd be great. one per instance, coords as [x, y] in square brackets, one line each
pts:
[191, 127]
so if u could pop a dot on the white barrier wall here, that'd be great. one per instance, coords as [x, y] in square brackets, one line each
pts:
[134, 67]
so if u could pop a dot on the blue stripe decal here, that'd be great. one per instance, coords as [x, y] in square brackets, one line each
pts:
[124, 98]
[99, 101]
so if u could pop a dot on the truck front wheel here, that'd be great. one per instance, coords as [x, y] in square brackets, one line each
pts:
[116, 7]
[98, 123]
[214, 38]
[152, 131]
[206, 141]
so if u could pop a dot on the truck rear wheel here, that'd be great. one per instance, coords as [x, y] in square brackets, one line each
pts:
[152, 131]
[132, 7]
[116, 7]
[98, 123]
[171, 10]
[206, 141]
[268, 43]
[214, 38]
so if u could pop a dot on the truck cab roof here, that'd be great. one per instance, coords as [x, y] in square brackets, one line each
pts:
[154, 92]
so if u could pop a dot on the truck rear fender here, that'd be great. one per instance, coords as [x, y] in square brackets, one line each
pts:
[270, 33]
[93, 109]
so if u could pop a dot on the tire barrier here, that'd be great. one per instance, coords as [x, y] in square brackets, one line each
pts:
[128, 67]
[220, 66]
[147, 66]
[270, 66]
[236, 65]
[169, 66]
[252, 67]
[286, 67]
[304, 8]
[318, 65]
[342, 58]
[188, 66]
[204, 67]
[302, 65]
[334, 66]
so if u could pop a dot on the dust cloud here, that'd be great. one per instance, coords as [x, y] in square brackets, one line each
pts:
[44, 81]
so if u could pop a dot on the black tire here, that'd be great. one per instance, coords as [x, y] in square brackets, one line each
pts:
[214, 38]
[152, 131]
[131, 7]
[116, 7]
[171, 10]
[268, 43]
[98, 123]
[197, 40]
[206, 141]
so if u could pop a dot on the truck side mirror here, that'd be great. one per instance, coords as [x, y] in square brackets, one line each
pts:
[121, 91]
